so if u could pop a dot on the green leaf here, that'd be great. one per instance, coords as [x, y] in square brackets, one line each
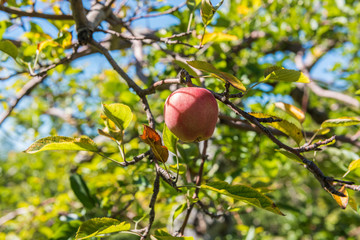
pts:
[63, 41]
[9, 48]
[189, 70]
[243, 193]
[186, 67]
[340, 122]
[290, 155]
[67, 230]
[4, 26]
[181, 208]
[271, 69]
[169, 139]
[226, 77]
[63, 143]
[353, 204]
[119, 113]
[218, 37]
[284, 126]
[207, 11]
[191, 4]
[98, 226]
[353, 165]
[357, 92]
[81, 191]
[286, 75]
[162, 235]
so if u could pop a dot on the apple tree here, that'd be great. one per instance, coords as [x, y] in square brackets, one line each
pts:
[191, 119]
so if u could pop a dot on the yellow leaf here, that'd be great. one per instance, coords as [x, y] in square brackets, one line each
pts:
[218, 37]
[284, 126]
[342, 201]
[292, 110]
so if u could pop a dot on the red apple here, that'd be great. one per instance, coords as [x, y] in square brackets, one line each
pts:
[191, 114]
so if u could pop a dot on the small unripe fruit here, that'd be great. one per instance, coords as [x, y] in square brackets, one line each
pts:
[191, 114]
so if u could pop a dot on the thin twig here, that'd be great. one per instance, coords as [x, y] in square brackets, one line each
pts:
[152, 205]
[197, 190]
[315, 145]
[12, 75]
[171, 10]
[206, 211]
[153, 38]
[127, 163]
[26, 90]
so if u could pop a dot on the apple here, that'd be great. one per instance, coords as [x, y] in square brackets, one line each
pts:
[191, 114]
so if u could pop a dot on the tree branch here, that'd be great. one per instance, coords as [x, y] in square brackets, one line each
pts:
[152, 205]
[320, 91]
[326, 182]
[82, 25]
[315, 145]
[20, 13]
[26, 90]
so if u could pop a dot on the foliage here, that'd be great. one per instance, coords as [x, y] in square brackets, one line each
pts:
[119, 173]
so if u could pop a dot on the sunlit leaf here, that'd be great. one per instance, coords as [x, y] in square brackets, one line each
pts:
[286, 75]
[99, 226]
[226, 77]
[63, 41]
[153, 139]
[284, 126]
[191, 4]
[9, 48]
[182, 168]
[81, 191]
[342, 201]
[353, 165]
[181, 208]
[353, 203]
[271, 69]
[63, 143]
[162, 235]
[243, 193]
[218, 37]
[357, 92]
[66, 230]
[323, 131]
[207, 11]
[340, 122]
[292, 110]
[289, 155]
[170, 139]
[119, 113]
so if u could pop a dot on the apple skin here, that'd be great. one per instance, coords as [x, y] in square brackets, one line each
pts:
[191, 114]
